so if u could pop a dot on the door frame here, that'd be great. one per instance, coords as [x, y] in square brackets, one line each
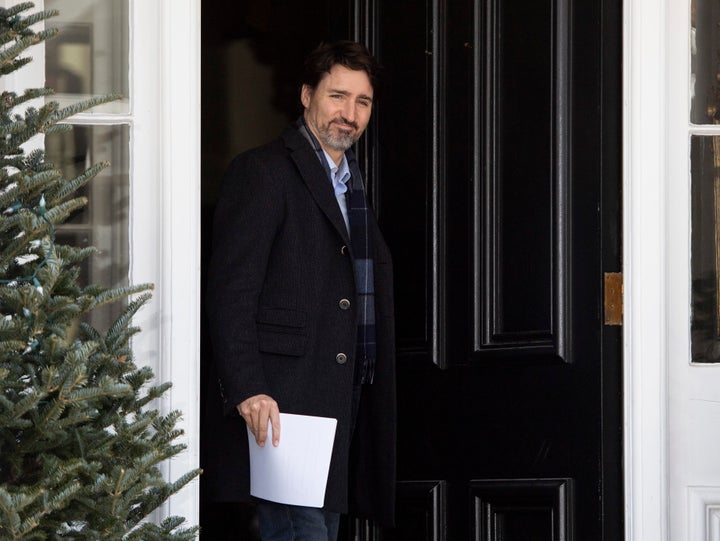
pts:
[645, 57]
[645, 181]
[177, 22]
[165, 217]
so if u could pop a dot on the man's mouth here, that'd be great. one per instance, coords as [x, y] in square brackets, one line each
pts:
[345, 126]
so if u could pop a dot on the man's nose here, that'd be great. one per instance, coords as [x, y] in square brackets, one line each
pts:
[349, 111]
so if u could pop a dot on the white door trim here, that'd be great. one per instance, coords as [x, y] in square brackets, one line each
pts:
[644, 201]
[180, 321]
[165, 219]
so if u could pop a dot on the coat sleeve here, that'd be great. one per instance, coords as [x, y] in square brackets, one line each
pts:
[247, 217]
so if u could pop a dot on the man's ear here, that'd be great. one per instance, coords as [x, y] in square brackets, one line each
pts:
[305, 95]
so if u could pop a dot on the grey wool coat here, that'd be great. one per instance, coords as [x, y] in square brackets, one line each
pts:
[281, 263]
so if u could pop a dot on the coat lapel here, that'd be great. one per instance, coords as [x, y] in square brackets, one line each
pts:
[313, 174]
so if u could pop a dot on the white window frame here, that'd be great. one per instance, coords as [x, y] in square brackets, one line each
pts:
[164, 122]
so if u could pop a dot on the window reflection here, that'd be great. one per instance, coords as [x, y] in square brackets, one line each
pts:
[103, 223]
[705, 61]
[705, 248]
[89, 56]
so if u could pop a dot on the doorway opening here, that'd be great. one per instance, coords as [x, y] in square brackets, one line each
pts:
[463, 170]
[252, 56]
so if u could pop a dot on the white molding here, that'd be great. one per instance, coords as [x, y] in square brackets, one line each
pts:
[645, 350]
[703, 513]
[180, 125]
[165, 215]
[145, 218]
[713, 533]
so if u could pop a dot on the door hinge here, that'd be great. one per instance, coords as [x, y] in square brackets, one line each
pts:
[613, 298]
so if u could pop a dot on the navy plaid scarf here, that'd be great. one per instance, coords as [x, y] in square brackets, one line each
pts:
[362, 249]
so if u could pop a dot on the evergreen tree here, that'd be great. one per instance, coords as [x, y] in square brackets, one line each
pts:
[80, 442]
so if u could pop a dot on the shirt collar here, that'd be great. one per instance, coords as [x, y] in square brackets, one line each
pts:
[340, 173]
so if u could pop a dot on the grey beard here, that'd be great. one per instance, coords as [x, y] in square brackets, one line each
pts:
[336, 142]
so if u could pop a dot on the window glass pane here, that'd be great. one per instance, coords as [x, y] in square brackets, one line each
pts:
[103, 223]
[90, 54]
[705, 62]
[705, 248]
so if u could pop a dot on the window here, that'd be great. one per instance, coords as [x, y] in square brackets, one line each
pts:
[89, 57]
[144, 211]
[705, 180]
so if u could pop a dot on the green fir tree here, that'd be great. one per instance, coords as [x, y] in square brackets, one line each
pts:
[80, 441]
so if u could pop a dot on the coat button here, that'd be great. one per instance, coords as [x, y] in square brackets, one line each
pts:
[344, 304]
[343, 250]
[341, 358]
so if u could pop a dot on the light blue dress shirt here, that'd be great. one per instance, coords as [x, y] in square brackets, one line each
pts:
[339, 175]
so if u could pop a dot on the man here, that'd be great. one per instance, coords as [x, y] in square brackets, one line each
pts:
[300, 304]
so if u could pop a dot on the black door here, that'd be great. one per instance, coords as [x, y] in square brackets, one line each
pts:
[494, 163]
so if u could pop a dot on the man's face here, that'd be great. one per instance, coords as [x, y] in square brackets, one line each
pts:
[338, 110]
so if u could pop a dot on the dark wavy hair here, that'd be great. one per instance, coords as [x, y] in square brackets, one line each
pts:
[349, 54]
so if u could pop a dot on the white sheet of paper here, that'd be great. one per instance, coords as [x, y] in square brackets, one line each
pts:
[295, 472]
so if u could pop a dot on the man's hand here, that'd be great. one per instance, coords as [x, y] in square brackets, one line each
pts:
[257, 411]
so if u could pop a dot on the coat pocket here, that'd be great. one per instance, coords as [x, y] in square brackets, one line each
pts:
[281, 331]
